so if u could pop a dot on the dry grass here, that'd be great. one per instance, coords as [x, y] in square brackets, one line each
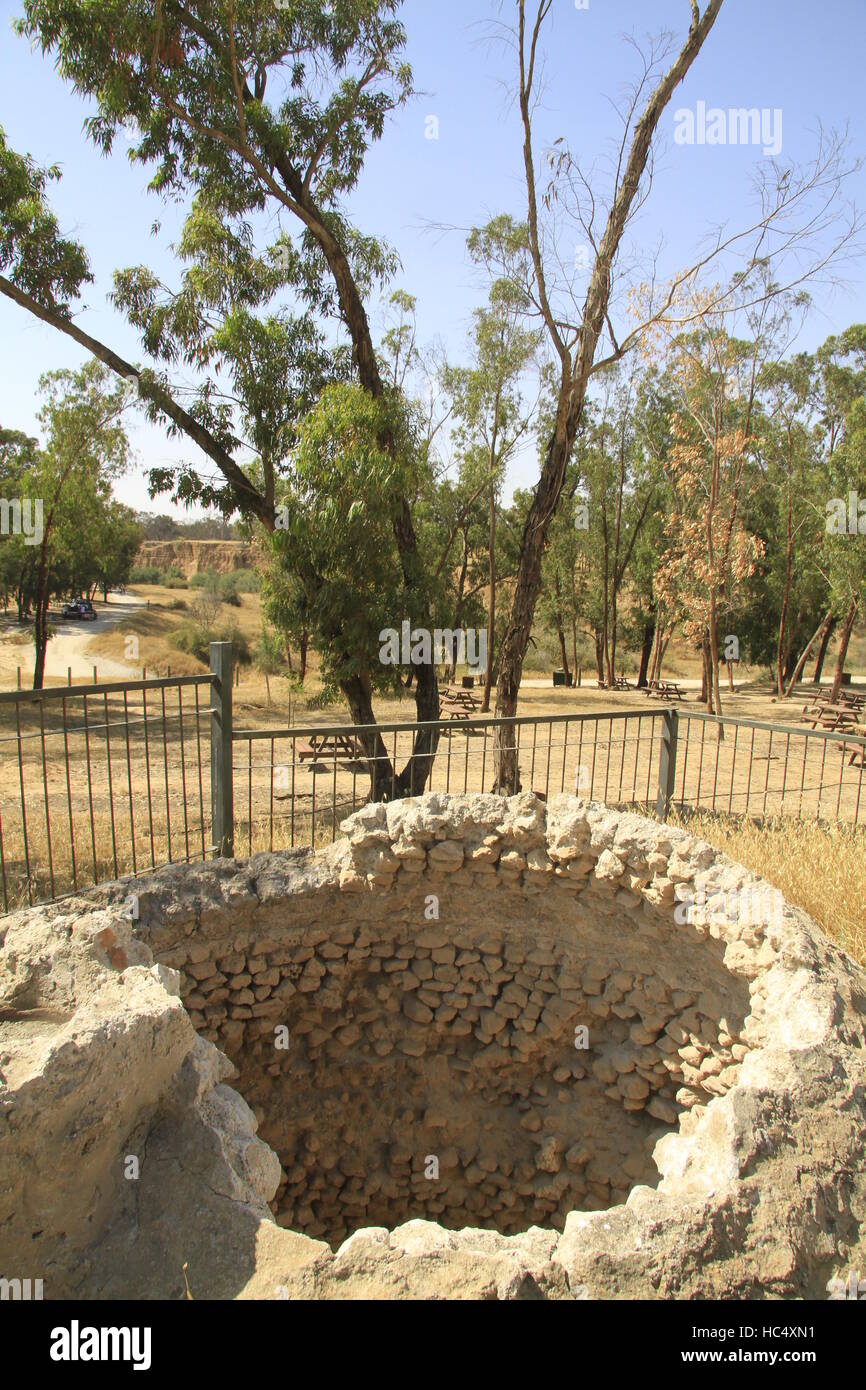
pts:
[820, 868]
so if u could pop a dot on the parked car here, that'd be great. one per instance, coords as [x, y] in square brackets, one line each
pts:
[80, 608]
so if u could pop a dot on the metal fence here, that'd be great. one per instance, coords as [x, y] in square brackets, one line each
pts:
[103, 781]
[648, 760]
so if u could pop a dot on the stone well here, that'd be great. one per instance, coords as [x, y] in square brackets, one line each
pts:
[498, 1049]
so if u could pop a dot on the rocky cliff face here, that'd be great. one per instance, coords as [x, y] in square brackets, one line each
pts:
[623, 1098]
[191, 557]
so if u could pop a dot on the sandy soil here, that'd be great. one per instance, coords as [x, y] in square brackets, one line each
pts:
[75, 646]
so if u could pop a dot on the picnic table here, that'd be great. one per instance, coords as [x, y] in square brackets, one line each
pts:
[460, 703]
[619, 683]
[858, 752]
[825, 715]
[330, 747]
[665, 690]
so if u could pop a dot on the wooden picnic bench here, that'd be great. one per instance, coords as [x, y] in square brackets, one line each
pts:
[858, 752]
[827, 716]
[459, 700]
[665, 690]
[330, 747]
[460, 705]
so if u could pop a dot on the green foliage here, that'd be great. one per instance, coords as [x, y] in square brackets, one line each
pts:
[205, 579]
[33, 254]
[245, 581]
[337, 516]
[194, 638]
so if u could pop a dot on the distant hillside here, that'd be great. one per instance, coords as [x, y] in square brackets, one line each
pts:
[191, 557]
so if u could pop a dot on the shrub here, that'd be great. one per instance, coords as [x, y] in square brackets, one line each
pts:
[176, 582]
[205, 579]
[145, 574]
[245, 581]
[195, 638]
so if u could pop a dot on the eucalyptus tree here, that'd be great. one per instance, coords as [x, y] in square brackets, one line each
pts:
[85, 450]
[255, 116]
[491, 415]
[591, 322]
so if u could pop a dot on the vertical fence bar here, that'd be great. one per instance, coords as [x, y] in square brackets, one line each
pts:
[165, 769]
[129, 779]
[200, 785]
[183, 772]
[110, 786]
[47, 804]
[90, 791]
[221, 772]
[3, 868]
[69, 795]
[667, 763]
[147, 770]
[271, 817]
[23, 798]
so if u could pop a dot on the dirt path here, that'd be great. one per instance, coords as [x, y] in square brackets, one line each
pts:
[70, 647]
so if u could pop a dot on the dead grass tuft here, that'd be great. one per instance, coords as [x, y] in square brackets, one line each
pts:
[820, 868]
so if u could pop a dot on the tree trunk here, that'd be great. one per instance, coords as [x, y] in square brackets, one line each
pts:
[305, 638]
[613, 607]
[40, 627]
[649, 633]
[786, 597]
[822, 627]
[491, 614]
[573, 625]
[40, 638]
[575, 375]
[560, 632]
[822, 651]
[383, 778]
[844, 639]
[713, 660]
[599, 655]
[526, 590]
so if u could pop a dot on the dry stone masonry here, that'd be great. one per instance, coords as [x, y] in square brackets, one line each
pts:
[487, 1053]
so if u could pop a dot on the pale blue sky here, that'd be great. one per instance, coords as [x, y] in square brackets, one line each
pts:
[801, 57]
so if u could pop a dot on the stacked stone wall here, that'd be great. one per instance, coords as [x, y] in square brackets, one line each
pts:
[480, 1021]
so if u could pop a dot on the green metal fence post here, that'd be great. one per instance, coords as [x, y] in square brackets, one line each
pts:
[221, 779]
[667, 764]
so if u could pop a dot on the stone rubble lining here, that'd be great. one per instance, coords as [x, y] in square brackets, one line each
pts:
[762, 1185]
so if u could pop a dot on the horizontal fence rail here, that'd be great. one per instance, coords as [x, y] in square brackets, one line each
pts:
[105, 781]
[99, 782]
